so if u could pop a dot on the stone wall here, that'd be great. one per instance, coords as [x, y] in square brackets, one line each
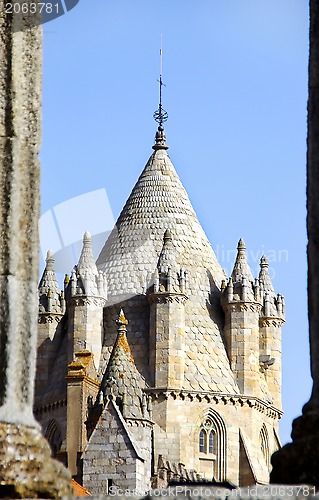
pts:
[118, 454]
[179, 420]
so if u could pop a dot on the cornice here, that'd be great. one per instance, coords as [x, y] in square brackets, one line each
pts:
[78, 300]
[49, 317]
[217, 398]
[271, 321]
[240, 306]
[49, 405]
[167, 298]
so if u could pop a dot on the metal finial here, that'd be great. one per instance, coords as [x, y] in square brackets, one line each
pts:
[160, 115]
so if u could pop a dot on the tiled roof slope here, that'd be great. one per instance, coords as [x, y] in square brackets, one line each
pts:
[121, 377]
[129, 258]
[79, 490]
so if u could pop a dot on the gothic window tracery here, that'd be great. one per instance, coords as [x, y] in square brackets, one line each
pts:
[212, 446]
[207, 437]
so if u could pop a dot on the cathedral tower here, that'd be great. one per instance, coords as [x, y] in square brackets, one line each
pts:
[193, 372]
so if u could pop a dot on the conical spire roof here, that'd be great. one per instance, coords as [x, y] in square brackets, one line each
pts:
[241, 267]
[90, 281]
[49, 279]
[157, 203]
[264, 276]
[49, 287]
[270, 302]
[86, 261]
[121, 378]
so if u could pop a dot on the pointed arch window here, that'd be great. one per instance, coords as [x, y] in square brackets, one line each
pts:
[211, 442]
[207, 437]
[202, 441]
[264, 444]
[53, 436]
[212, 446]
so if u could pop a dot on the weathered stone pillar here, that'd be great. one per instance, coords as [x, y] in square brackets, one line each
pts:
[26, 468]
[298, 462]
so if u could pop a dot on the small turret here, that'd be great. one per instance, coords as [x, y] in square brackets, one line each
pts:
[273, 305]
[86, 295]
[241, 301]
[168, 277]
[254, 315]
[51, 312]
[88, 280]
[167, 298]
[122, 382]
[121, 418]
[49, 292]
[242, 278]
[272, 317]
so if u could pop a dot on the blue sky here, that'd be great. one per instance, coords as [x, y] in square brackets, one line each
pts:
[236, 93]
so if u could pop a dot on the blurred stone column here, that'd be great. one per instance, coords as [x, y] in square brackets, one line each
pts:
[298, 462]
[26, 468]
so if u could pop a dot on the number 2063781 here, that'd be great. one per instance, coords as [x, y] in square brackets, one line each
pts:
[32, 8]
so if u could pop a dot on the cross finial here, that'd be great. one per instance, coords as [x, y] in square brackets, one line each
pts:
[160, 115]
